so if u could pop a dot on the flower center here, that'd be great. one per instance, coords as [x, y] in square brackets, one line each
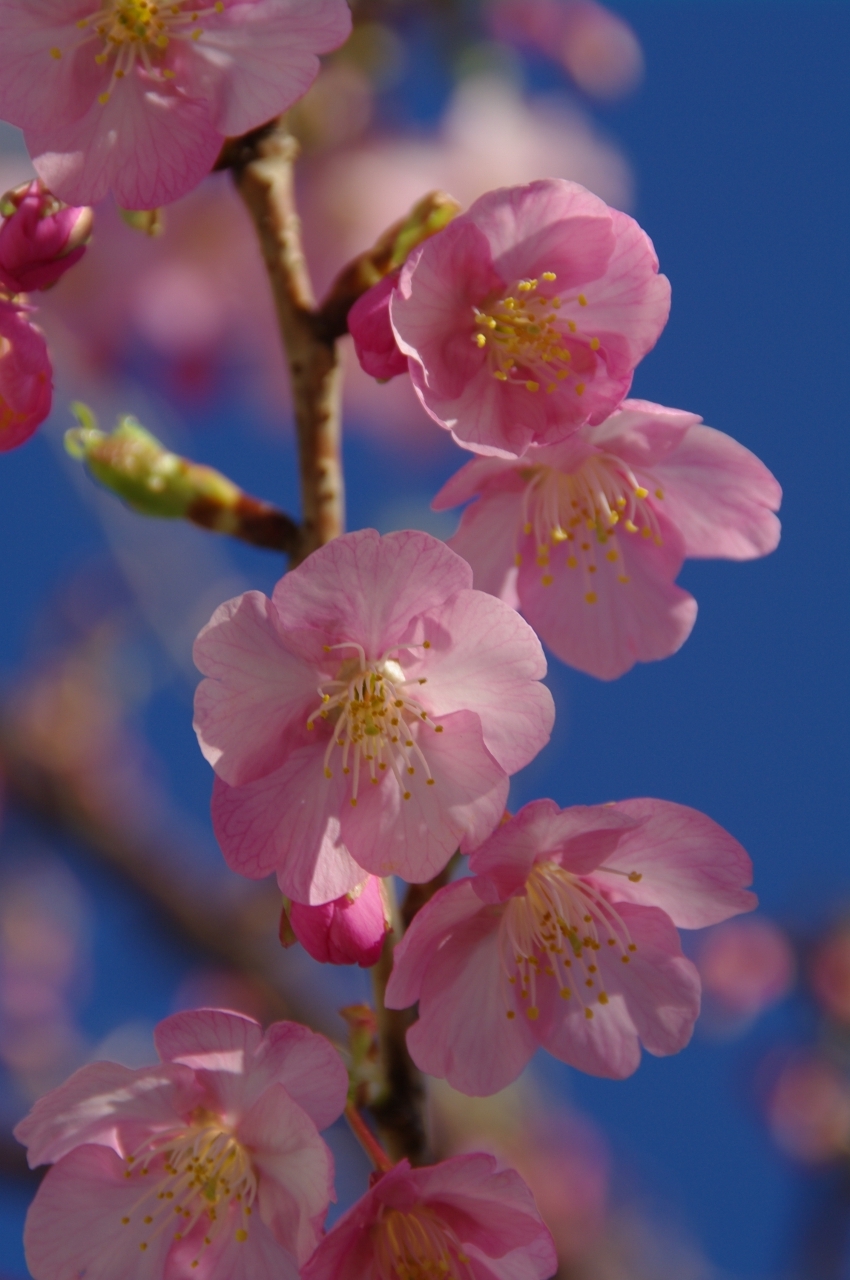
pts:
[374, 721]
[587, 509]
[201, 1173]
[531, 343]
[417, 1246]
[554, 931]
[129, 29]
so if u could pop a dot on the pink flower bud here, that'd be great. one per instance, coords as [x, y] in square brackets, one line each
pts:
[349, 930]
[26, 385]
[40, 239]
[370, 327]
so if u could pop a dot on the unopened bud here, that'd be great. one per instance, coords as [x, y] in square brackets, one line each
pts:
[349, 930]
[156, 482]
[40, 238]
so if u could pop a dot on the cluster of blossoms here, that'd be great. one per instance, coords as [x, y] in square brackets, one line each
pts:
[364, 722]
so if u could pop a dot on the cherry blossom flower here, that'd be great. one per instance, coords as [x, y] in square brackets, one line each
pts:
[808, 1109]
[26, 379]
[209, 1164]
[745, 966]
[350, 930]
[526, 316]
[367, 717]
[464, 1218]
[137, 98]
[40, 239]
[586, 537]
[566, 938]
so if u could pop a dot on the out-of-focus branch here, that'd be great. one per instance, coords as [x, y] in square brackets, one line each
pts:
[232, 933]
[263, 169]
[399, 1108]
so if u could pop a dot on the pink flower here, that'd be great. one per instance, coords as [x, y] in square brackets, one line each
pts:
[350, 930]
[137, 98]
[370, 327]
[566, 938]
[586, 537]
[461, 1218]
[526, 316]
[40, 239]
[26, 379]
[223, 1136]
[367, 716]
[809, 1109]
[830, 974]
[745, 966]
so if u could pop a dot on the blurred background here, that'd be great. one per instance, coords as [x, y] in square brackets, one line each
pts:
[722, 125]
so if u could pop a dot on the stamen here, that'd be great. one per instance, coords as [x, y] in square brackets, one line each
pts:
[416, 1245]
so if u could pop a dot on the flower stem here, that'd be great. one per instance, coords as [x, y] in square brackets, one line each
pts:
[263, 168]
[367, 1139]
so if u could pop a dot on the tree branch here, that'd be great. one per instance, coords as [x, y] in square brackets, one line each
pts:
[262, 165]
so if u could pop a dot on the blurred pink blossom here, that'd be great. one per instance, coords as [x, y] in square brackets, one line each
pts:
[809, 1109]
[40, 239]
[597, 47]
[138, 98]
[830, 974]
[746, 966]
[462, 1217]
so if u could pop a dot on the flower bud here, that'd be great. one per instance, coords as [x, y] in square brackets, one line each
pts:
[349, 930]
[26, 383]
[40, 238]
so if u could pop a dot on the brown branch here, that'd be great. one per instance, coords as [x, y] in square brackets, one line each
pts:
[262, 164]
[399, 1109]
[251, 520]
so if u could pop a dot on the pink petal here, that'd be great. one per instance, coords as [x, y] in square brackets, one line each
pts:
[148, 145]
[289, 823]
[654, 998]
[689, 866]
[475, 477]
[641, 433]
[230, 1257]
[464, 1034]
[309, 1068]
[295, 1167]
[720, 496]
[258, 56]
[74, 1227]
[26, 377]
[370, 327]
[449, 908]
[35, 89]
[487, 540]
[579, 838]
[490, 1208]
[495, 419]
[432, 311]
[209, 1040]
[367, 588]
[486, 659]
[629, 306]
[415, 838]
[549, 225]
[347, 1252]
[640, 620]
[259, 697]
[110, 1105]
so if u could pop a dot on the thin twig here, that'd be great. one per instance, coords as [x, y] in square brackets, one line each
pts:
[367, 1139]
[263, 169]
[399, 1110]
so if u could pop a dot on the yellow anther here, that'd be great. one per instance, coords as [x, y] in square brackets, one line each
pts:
[533, 1013]
[548, 275]
[551, 387]
[631, 527]
[603, 998]
[646, 532]
[659, 493]
[480, 340]
[611, 555]
[511, 1013]
[579, 388]
[56, 53]
[103, 98]
[591, 597]
[407, 795]
[426, 644]
[430, 782]
[572, 563]
[499, 376]
[594, 344]
[125, 1221]
[635, 877]
[582, 300]
[532, 386]
[572, 326]
[640, 492]
[565, 993]
[517, 559]
[241, 1235]
[328, 773]
[546, 580]
[588, 1013]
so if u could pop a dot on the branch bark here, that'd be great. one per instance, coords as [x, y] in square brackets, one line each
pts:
[263, 169]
